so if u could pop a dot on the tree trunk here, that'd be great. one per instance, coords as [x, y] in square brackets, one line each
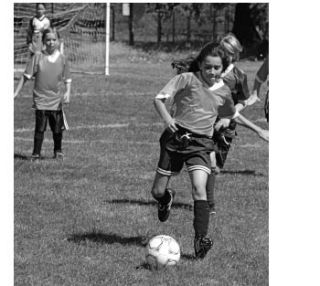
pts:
[213, 18]
[243, 26]
[159, 32]
[173, 26]
[131, 35]
[188, 40]
[113, 27]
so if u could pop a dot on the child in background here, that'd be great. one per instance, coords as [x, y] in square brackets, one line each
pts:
[187, 139]
[261, 77]
[51, 89]
[236, 80]
[36, 27]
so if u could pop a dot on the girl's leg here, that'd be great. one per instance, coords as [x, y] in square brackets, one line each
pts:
[163, 195]
[211, 183]
[159, 185]
[40, 127]
[37, 143]
[56, 122]
[201, 208]
[202, 244]
[57, 140]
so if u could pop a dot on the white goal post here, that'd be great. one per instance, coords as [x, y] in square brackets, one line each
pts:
[84, 30]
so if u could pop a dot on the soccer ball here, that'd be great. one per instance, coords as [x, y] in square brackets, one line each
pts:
[162, 250]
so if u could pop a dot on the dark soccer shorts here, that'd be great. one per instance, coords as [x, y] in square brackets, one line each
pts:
[184, 147]
[54, 117]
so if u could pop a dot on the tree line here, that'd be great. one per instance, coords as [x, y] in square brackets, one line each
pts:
[176, 21]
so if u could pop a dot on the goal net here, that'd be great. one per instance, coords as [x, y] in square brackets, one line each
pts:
[82, 29]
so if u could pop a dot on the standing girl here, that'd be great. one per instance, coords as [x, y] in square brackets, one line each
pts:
[51, 89]
[196, 96]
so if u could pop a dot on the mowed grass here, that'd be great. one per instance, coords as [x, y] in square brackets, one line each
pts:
[86, 220]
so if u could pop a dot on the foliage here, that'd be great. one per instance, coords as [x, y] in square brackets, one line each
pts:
[260, 17]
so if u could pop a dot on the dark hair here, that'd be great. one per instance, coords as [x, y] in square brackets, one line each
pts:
[48, 31]
[38, 4]
[192, 64]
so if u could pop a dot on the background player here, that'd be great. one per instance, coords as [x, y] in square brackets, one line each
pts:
[37, 25]
[261, 77]
[50, 69]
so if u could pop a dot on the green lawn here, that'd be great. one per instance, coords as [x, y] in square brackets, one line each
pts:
[86, 220]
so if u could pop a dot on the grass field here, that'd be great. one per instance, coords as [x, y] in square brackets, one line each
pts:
[86, 220]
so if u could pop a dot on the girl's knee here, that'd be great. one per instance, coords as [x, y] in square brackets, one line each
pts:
[199, 192]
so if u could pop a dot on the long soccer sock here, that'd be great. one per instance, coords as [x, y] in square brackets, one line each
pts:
[37, 143]
[201, 218]
[57, 139]
[210, 188]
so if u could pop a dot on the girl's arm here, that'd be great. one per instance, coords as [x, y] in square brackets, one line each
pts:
[159, 104]
[263, 134]
[66, 96]
[21, 83]
[260, 78]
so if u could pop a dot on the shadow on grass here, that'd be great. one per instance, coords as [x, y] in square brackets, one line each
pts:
[149, 203]
[242, 172]
[147, 266]
[102, 238]
[28, 158]
[21, 157]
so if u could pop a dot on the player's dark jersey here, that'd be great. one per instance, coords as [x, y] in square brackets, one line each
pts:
[261, 77]
[236, 80]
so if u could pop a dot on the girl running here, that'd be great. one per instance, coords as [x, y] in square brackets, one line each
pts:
[197, 96]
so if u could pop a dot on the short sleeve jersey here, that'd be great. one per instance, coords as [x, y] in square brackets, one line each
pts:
[237, 81]
[50, 72]
[196, 105]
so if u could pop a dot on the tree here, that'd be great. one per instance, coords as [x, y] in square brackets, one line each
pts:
[192, 11]
[130, 25]
[249, 17]
[161, 11]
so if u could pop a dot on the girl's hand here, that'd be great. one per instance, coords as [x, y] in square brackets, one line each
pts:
[264, 134]
[172, 125]
[253, 99]
[66, 98]
[222, 123]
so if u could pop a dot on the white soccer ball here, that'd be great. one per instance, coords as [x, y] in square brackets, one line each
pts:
[162, 250]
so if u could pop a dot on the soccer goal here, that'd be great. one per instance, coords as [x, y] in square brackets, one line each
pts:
[83, 29]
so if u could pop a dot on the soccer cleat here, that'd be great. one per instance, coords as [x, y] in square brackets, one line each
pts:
[58, 155]
[212, 209]
[35, 157]
[202, 245]
[164, 209]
